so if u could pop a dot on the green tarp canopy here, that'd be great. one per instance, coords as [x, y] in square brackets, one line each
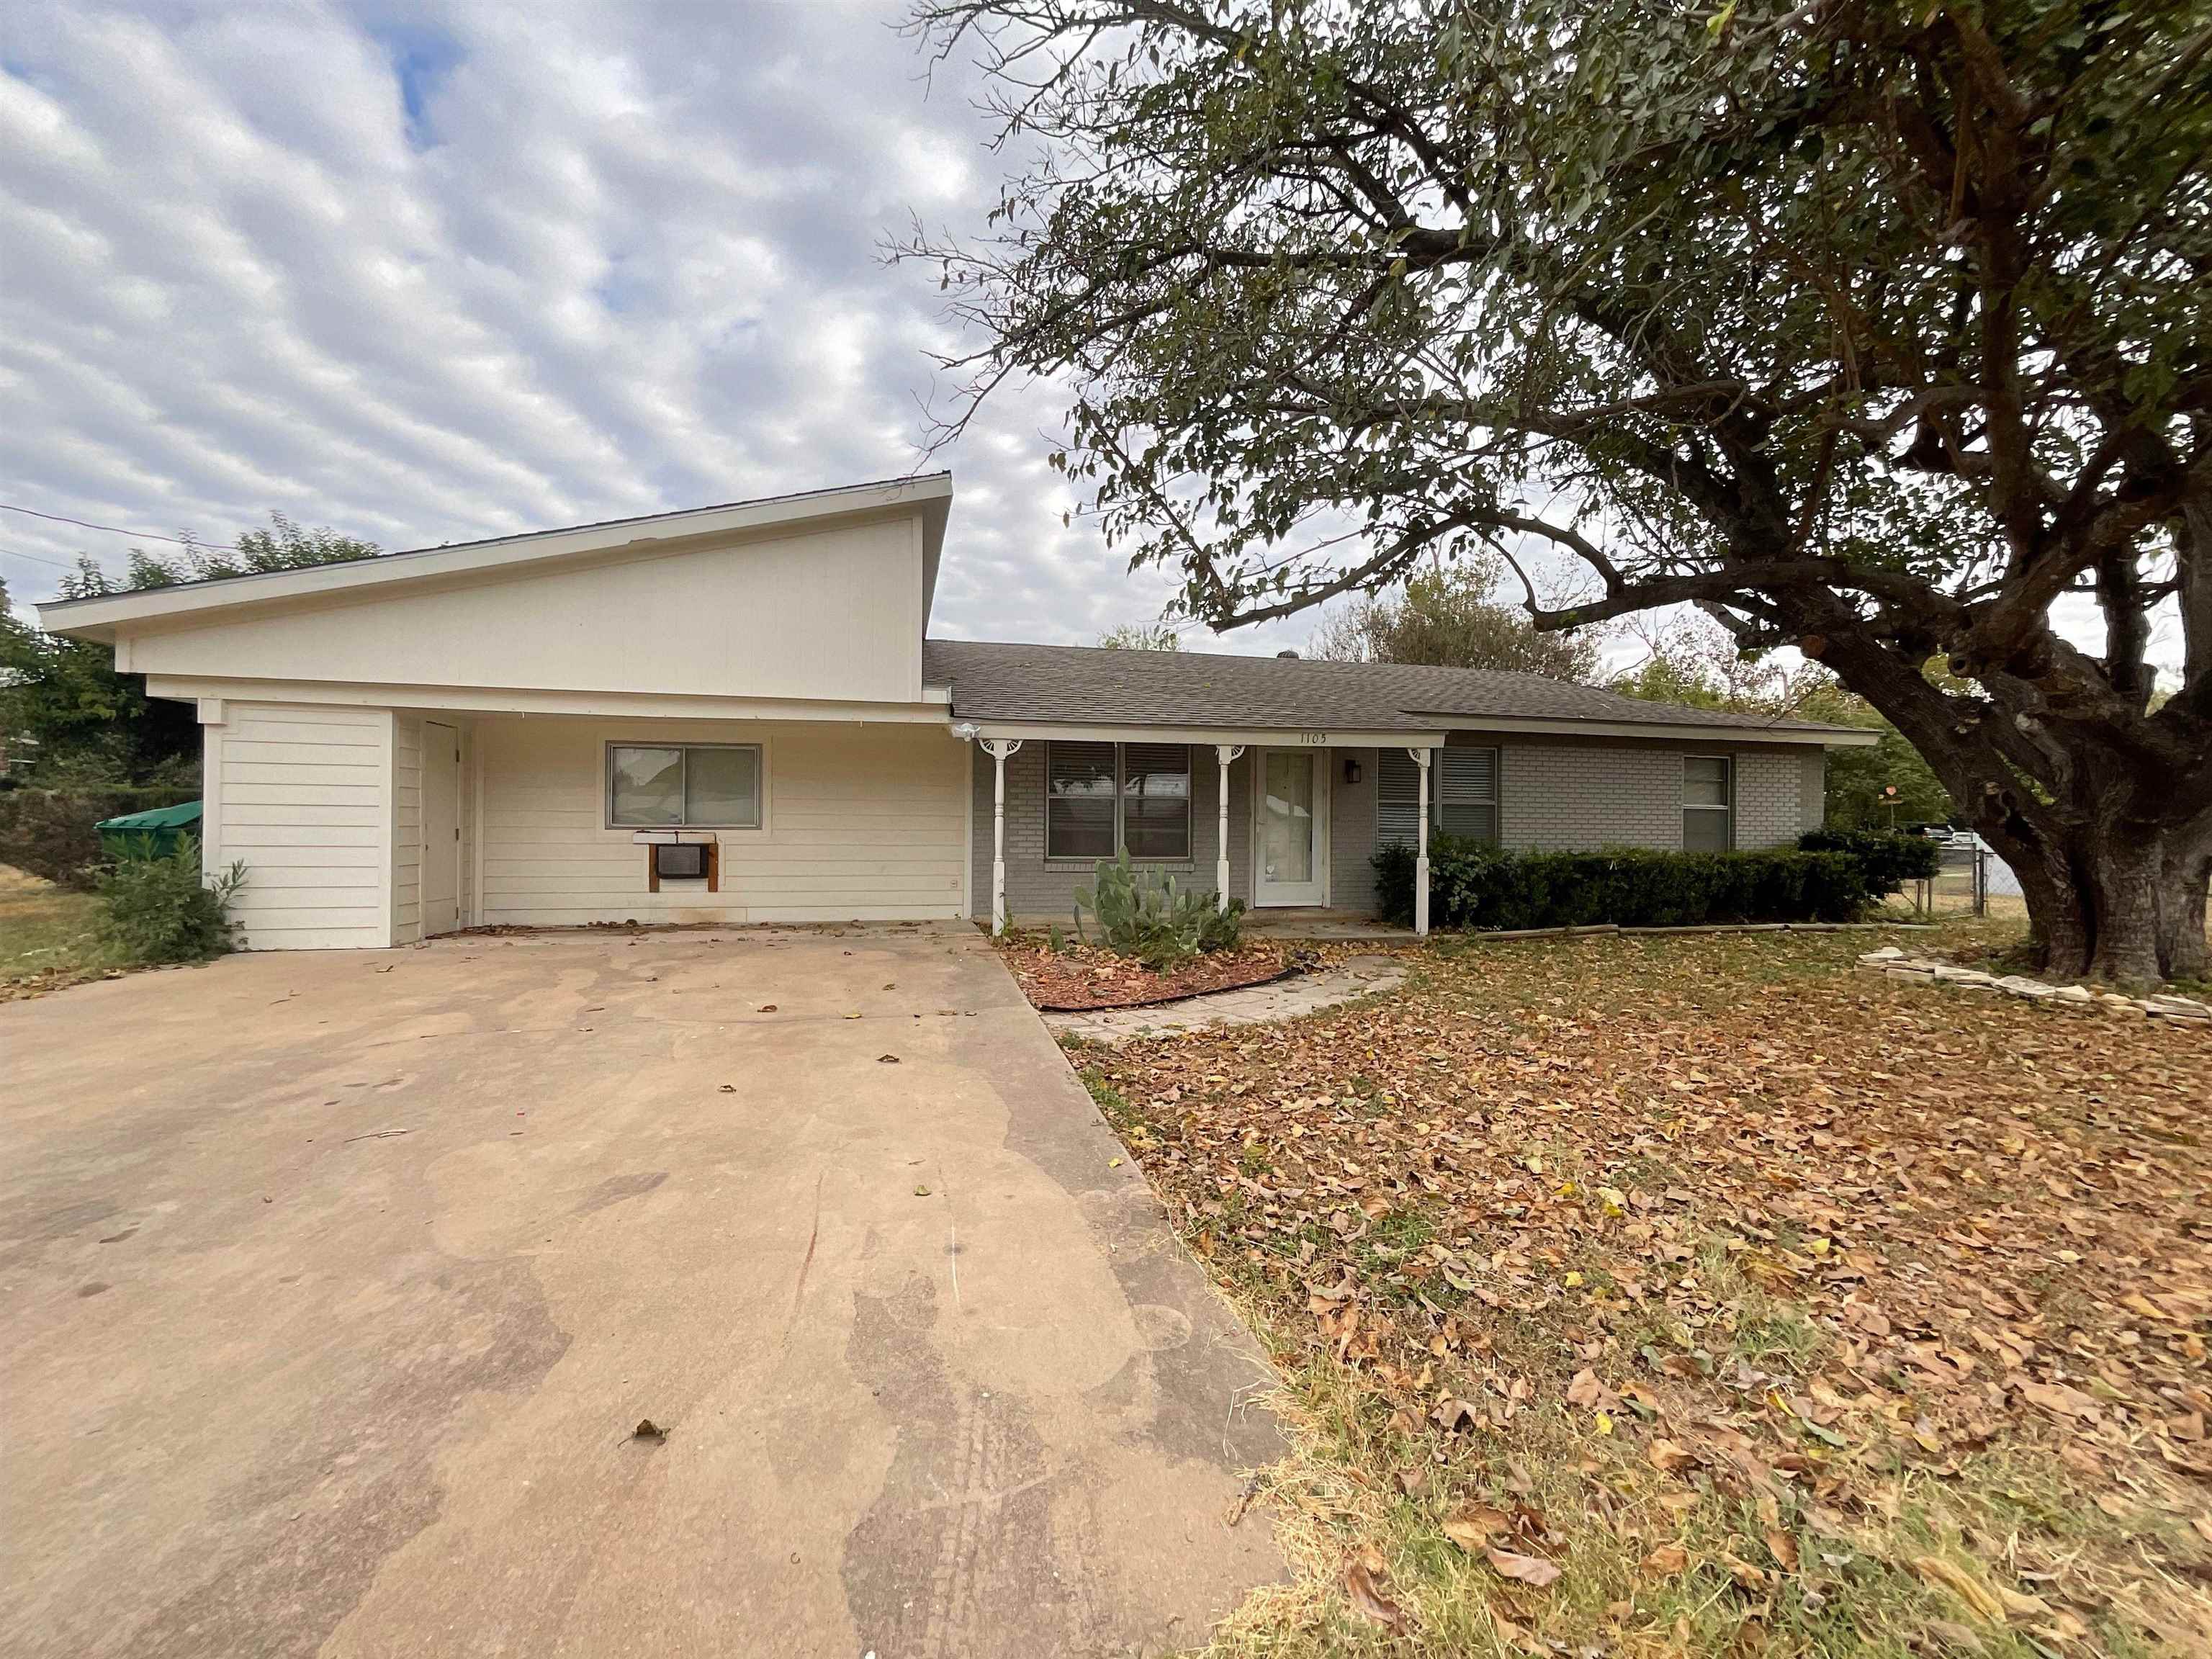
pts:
[157, 832]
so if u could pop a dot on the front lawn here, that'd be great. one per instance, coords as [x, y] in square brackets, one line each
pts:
[1706, 1295]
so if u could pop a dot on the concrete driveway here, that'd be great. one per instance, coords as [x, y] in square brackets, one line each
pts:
[335, 1284]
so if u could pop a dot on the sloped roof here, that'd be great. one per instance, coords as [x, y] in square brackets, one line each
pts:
[1088, 685]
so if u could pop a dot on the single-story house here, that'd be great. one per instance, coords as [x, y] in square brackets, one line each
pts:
[736, 713]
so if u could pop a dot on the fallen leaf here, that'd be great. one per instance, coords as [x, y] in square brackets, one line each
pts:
[2061, 1400]
[1367, 1597]
[1527, 1569]
[646, 1429]
[1667, 1559]
[887, 1059]
[1980, 1600]
[1669, 1458]
[1783, 1548]
[1473, 1528]
[922, 1192]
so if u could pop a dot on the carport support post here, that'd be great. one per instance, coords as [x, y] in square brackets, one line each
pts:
[998, 749]
[1224, 752]
[1421, 857]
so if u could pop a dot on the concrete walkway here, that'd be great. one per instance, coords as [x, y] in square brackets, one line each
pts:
[336, 1283]
[1256, 1005]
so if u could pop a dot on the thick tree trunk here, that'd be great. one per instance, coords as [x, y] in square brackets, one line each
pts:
[2188, 870]
[2124, 905]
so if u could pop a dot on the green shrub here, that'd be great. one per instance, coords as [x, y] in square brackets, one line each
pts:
[162, 909]
[1890, 860]
[1473, 885]
[1152, 919]
[49, 832]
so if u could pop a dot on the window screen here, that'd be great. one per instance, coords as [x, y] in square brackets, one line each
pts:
[699, 785]
[1079, 800]
[1708, 802]
[1156, 800]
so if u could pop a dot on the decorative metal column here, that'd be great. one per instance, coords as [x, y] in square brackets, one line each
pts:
[998, 749]
[1224, 752]
[1421, 757]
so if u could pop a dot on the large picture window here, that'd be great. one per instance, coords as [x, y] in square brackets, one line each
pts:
[1100, 797]
[697, 785]
[1708, 802]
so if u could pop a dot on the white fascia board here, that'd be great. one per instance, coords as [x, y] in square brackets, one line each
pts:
[1318, 738]
[1252, 737]
[95, 617]
[1653, 732]
[511, 700]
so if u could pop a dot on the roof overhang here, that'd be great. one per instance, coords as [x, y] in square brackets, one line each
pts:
[1829, 737]
[99, 616]
[1250, 737]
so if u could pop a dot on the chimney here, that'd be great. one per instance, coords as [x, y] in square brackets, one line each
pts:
[1292, 656]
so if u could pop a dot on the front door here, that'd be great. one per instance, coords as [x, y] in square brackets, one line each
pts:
[1290, 863]
[441, 828]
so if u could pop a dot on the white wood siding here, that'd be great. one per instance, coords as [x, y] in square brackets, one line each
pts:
[304, 795]
[406, 829]
[833, 613]
[863, 822]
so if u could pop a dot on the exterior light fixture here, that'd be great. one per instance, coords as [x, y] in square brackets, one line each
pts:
[1351, 771]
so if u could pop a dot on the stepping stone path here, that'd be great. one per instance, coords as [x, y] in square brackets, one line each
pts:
[1251, 1005]
[2186, 1010]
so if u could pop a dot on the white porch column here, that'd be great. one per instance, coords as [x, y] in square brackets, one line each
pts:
[1224, 752]
[998, 749]
[1421, 757]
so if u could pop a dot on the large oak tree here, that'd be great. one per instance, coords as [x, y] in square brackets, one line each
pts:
[1878, 328]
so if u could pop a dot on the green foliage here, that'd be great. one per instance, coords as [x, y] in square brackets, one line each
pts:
[49, 832]
[283, 546]
[1154, 918]
[1475, 884]
[162, 909]
[1447, 619]
[1141, 636]
[1890, 860]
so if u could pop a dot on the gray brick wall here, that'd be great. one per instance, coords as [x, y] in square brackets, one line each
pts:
[1555, 793]
[1564, 794]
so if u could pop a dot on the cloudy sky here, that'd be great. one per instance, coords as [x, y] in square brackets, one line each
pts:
[428, 272]
[425, 273]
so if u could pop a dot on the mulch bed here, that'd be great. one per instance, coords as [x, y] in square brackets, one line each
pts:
[1082, 977]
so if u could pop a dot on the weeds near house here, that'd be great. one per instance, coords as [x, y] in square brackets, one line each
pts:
[162, 909]
[1702, 1296]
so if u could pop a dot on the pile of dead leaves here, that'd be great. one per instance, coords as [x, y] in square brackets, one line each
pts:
[1077, 975]
[1864, 1308]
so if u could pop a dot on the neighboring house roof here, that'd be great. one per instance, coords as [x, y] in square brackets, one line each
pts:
[1083, 685]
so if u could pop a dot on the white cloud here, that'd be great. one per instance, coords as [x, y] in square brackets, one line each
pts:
[430, 272]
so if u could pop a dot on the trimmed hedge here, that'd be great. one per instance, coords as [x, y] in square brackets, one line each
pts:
[1891, 861]
[1473, 885]
[49, 832]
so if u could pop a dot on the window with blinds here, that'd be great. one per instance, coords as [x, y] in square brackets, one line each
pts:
[1156, 800]
[1462, 794]
[1078, 800]
[1100, 796]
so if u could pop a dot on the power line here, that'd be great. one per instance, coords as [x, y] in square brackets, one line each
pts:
[10, 553]
[116, 530]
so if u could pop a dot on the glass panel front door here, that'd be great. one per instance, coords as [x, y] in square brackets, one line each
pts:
[1292, 807]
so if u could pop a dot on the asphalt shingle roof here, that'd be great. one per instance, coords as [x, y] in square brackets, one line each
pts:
[1089, 685]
